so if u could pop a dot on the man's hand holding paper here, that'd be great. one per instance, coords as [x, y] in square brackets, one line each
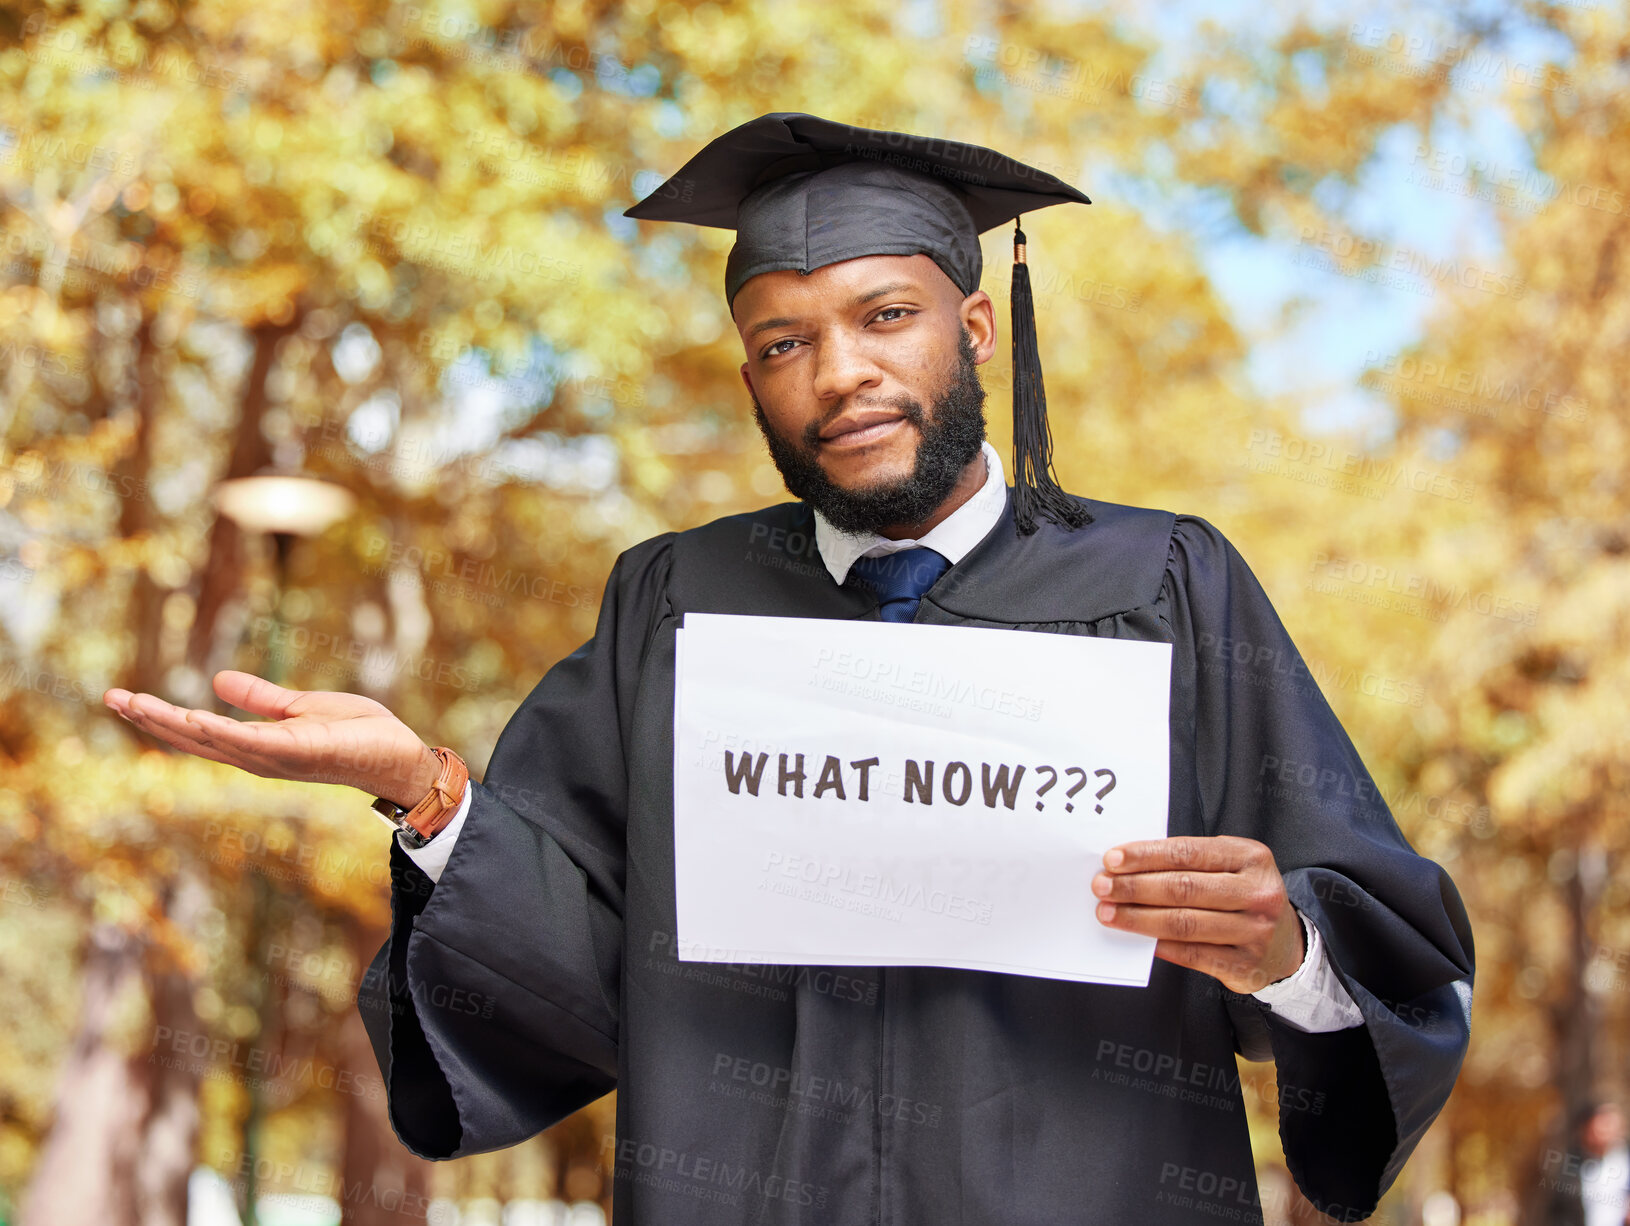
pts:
[1215, 905]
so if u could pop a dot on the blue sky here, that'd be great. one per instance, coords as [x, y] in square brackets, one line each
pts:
[1314, 331]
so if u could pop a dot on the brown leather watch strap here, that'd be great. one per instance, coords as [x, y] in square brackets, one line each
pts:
[432, 813]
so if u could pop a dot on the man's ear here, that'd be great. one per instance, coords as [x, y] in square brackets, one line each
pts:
[978, 315]
[748, 380]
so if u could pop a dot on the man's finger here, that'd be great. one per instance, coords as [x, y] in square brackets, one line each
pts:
[1222, 853]
[1208, 891]
[260, 748]
[153, 708]
[184, 739]
[197, 732]
[255, 694]
[192, 737]
[1221, 962]
[1227, 964]
[167, 715]
[1186, 923]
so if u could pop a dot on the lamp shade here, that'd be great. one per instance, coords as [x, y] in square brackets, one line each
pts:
[298, 506]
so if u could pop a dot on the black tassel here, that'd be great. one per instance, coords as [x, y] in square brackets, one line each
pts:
[1035, 489]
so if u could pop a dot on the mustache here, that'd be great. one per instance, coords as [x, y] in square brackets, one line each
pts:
[911, 410]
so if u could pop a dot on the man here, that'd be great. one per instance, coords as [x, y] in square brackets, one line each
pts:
[1291, 921]
[1589, 1183]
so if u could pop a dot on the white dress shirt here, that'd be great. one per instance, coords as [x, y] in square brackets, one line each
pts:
[1604, 1186]
[1311, 1000]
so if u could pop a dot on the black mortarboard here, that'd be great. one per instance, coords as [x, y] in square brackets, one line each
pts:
[803, 192]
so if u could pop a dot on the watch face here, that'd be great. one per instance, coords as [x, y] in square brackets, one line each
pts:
[395, 815]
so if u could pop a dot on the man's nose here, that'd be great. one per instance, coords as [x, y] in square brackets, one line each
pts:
[843, 367]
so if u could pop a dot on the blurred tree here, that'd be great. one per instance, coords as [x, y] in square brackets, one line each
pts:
[126, 1127]
[1528, 677]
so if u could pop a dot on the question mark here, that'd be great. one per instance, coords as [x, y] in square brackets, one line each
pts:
[1107, 788]
[1081, 783]
[1042, 790]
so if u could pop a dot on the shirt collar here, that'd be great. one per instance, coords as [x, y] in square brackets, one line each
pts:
[952, 537]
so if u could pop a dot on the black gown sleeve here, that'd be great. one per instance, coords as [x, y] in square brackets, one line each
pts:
[493, 1006]
[1273, 763]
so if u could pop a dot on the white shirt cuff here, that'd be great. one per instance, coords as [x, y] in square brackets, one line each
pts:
[432, 857]
[1313, 999]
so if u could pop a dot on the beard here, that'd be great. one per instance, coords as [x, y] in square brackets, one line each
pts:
[950, 438]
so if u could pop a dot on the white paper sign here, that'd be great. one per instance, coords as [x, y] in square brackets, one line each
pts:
[883, 794]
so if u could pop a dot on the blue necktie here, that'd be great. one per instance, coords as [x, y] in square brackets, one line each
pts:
[899, 579]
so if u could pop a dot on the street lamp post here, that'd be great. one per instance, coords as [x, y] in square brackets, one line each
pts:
[281, 506]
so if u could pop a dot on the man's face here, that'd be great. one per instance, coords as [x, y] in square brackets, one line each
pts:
[1604, 1130]
[863, 377]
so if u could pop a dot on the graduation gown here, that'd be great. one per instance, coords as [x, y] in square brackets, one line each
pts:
[540, 971]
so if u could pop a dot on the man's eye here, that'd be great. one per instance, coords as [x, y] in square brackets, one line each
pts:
[904, 311]
[775, 350]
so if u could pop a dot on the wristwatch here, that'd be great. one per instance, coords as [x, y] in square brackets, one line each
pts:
[425, 820]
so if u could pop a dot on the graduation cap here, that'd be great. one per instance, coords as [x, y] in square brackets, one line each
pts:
[803, 192]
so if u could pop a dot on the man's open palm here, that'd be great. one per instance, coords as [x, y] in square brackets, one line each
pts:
[312, 736]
